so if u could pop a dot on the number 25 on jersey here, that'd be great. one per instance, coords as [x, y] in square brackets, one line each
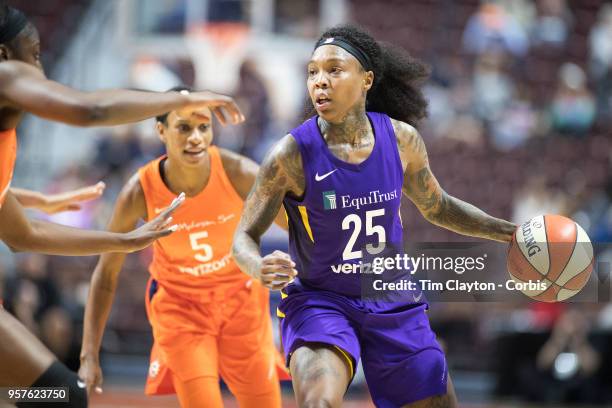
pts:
[371, 229]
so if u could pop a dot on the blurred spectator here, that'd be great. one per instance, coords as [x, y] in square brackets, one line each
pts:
[116, 149]
[176, 19]
[492, 28]
[466, 129]
[440, 110]
[523, 11]
[596, 215]
[31, 292]
[552, 25]
[537, 198]
[566, 366]
[172, 21]
[573, 106]
[34, 298]
[297, 18]
[252, 97]
[492, 86]
[601, 59]
[517, 122]
[225, 10]
[149, 72]
[600, 44]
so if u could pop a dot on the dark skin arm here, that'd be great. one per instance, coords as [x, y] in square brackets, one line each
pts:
[280, 174]
[242, 173]
[435, 204]
[21, 234]
[130, 207]
[25, 88]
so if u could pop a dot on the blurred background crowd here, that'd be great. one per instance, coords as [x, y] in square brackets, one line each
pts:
[520, 124]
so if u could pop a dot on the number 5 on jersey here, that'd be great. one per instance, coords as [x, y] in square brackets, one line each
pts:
[206, 253]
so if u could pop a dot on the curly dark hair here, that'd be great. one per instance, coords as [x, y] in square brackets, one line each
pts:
[397, 75]
[4, 10]
[4, 15]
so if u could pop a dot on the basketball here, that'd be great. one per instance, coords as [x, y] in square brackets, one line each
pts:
[554, 251]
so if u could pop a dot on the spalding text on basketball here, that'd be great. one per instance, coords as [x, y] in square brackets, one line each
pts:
[530, 242]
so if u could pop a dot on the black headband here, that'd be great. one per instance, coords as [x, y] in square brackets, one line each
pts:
[15, 22]
[352, 49]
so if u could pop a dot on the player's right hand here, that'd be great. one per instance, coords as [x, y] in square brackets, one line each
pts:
[90, 374]
[157, 228]
[277, 270]
[221, 105]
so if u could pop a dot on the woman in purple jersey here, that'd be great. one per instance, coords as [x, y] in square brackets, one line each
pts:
[340, 176]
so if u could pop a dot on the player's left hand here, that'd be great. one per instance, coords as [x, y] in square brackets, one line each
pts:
[70, 200]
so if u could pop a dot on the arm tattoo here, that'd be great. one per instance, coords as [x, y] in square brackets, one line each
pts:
[456, 215]
[280, 173]
[435, 204]
[409, 142]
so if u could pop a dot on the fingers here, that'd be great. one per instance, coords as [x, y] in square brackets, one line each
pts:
[277, 270]
[90, 192]
[223, 107]
[90, 386]
[172, 207]
[90, 381]
[167, 223]
[164, 232]
[278, 258]
[282, 267]
[277, 286]
[176, 202]
[234, 111]
[99, 188]
[161, 226]
[281, 254]
[272, 272]
[275, 281]
[162, 223]
[280, 263]
[95, 385]
[219, 115]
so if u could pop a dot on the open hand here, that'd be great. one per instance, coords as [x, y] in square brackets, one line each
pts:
[157, 228]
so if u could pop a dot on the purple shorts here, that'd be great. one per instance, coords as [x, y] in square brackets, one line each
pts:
[402, 359]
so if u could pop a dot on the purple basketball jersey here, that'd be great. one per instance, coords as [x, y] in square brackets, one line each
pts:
[345, 208]
[346, 212]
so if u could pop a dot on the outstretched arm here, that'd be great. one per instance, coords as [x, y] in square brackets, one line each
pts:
[280, 174]
[54, 203]
[437, 206]
[21, 234]
[130, 208]
[24, 87]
